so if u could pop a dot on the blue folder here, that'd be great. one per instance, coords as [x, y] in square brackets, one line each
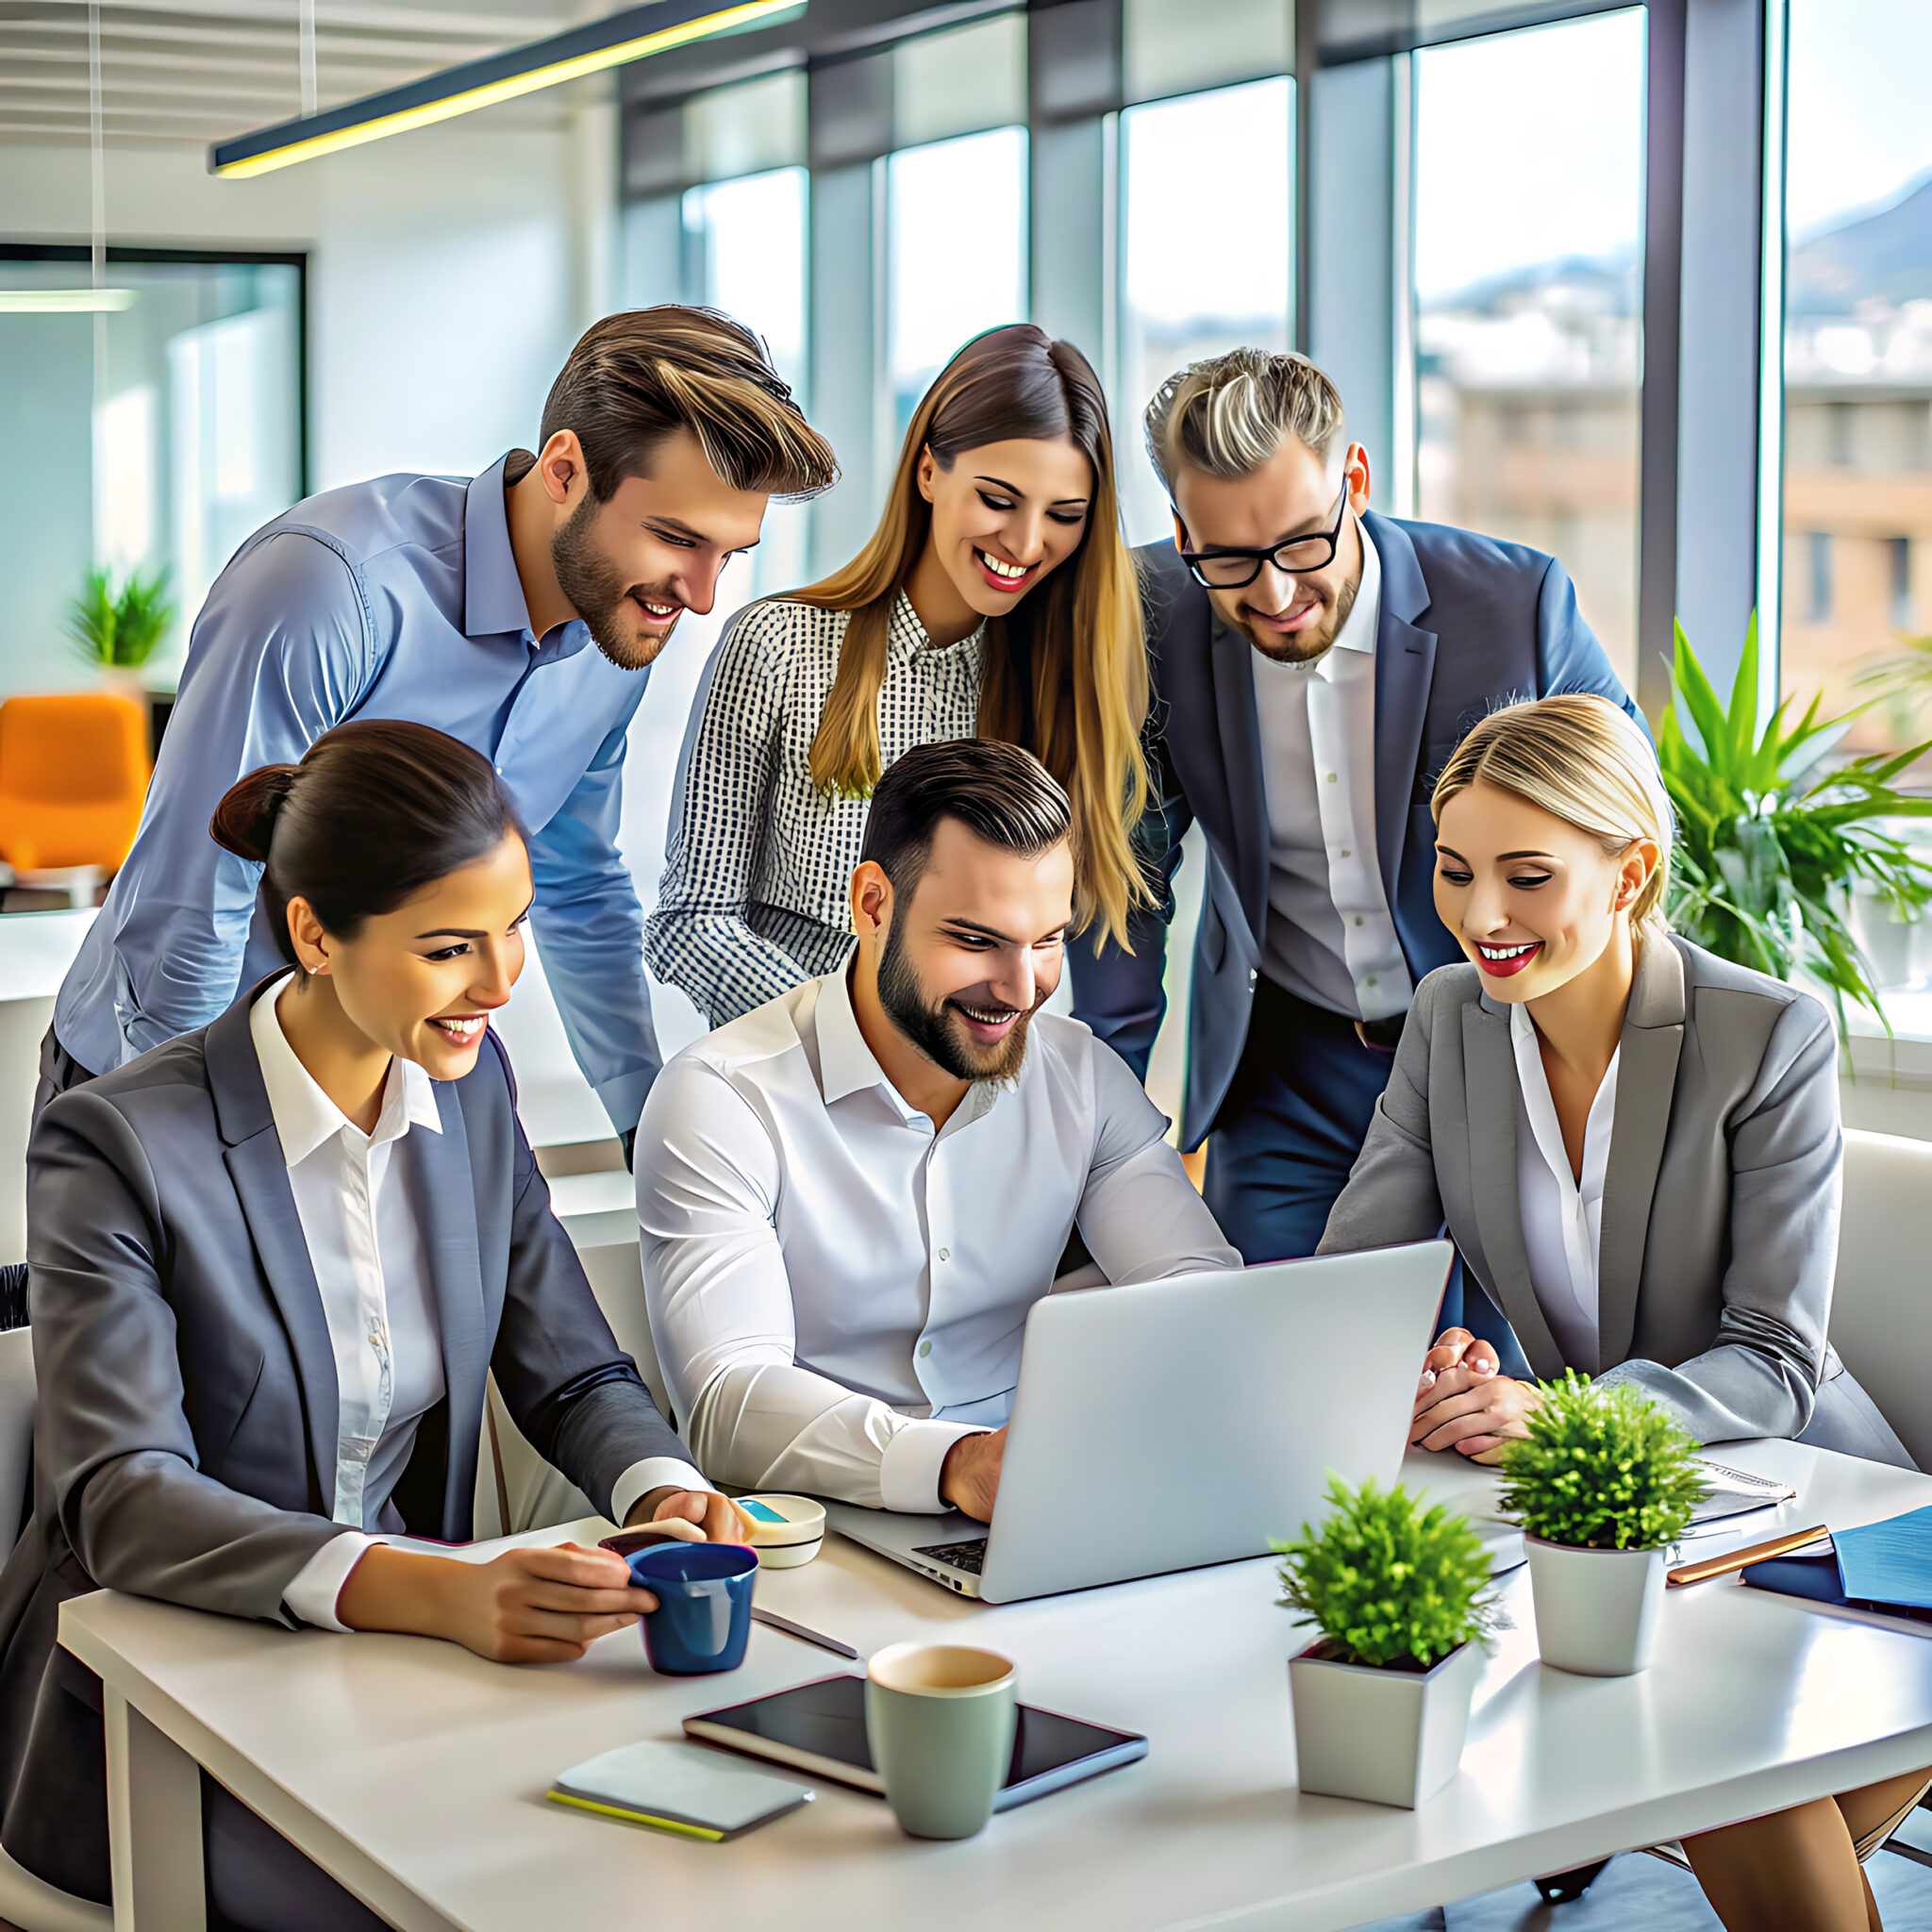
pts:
[1883, 1567]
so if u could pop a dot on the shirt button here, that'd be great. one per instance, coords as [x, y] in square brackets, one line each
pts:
[1372, 979]
[1358, 919]
[1347, 853]
[1331, 778]
[945, 1254]
[925, 1348]
[1253, 975]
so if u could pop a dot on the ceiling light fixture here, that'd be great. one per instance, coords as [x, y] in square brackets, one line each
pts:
[65, 301]
[614, 41]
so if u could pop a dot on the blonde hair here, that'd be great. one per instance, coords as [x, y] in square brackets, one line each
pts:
[1228, 415]
[1584, 760]
[1066, 676]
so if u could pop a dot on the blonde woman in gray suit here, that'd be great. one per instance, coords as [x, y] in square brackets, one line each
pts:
[1635, 1146]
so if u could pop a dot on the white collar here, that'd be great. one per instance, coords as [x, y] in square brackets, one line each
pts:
[847, 1065]
[305, 1116]
[1364, 615]
[1539, 1106]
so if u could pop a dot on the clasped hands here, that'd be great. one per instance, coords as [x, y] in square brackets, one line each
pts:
[1463, 1403]
[528, 1606]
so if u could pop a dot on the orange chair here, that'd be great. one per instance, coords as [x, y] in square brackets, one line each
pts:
[74, 770]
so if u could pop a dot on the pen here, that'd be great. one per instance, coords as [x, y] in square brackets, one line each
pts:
[1722, 1566]
[805, 1636]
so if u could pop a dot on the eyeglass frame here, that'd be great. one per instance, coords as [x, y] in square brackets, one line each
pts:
[1270, 553]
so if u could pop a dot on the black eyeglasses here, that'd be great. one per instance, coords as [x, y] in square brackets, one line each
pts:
[1223, 569]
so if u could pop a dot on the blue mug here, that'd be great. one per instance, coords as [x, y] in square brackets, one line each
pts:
[702, 1619]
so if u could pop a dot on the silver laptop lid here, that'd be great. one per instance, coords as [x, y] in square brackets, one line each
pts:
[1173, 1424]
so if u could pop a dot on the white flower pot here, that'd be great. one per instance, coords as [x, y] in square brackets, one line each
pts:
[1596, 1610]
[1393, 1736]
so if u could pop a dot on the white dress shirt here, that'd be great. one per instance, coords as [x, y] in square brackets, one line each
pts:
[363, 1232]
[1330, 939]
[1563, 1217]
[838, 1293]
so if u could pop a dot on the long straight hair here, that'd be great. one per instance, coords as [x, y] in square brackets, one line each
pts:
[1066, 676]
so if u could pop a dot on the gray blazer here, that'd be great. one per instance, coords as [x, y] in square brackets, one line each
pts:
[1720, 1206]
[184, 1442]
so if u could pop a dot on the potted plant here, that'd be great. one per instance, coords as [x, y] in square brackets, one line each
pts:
[1773, 838]
[1602, 1485]
[1400, 1597]
[120, 631]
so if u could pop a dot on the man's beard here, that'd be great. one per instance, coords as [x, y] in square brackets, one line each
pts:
[1305, 646]
[597, 593]
[937, 1032]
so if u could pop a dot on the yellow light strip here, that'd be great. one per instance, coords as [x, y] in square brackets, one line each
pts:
[508, 90]
[65, 301]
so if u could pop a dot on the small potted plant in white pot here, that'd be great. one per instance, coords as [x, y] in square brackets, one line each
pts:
[1602, 1485]
[1400, 1595]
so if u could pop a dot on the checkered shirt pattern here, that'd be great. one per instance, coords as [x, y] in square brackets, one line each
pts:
[758, 867]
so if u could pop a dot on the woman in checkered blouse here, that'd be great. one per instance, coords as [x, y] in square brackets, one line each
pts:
[996, 598]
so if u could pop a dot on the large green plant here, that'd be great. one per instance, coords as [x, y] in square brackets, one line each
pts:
[121, 627]
[1601, 1469]
[1384, 1581]
[1771, 835]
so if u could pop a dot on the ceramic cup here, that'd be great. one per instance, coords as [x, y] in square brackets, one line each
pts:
[703, 1616]
[940, 1719]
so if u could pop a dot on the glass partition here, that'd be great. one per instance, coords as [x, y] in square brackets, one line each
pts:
[1207, 230]
[1528, 273]
[1857, 343]
[745, 254]
[189, 403]
[955, 255]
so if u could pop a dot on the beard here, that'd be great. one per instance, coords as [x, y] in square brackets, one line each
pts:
[598, 594]
[1305, 646]
[938, 1032]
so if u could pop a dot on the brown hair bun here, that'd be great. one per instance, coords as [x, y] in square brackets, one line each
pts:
[245, 822]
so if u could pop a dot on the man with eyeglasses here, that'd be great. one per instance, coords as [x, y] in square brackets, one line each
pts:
[1314, 665]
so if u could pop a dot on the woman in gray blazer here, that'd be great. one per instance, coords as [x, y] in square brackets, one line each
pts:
[1635, 1146]
[271, 1263]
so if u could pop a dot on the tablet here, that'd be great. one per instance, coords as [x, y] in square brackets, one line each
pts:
[819, 1727]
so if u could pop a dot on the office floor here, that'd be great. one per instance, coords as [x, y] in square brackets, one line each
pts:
[1635, 1891]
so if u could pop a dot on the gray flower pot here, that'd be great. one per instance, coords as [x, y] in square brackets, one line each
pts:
[1596, 1610]
[1391, 1737]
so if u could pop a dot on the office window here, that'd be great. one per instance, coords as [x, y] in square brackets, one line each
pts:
[193, 414]
[1858, 352]
[1817, 556]
[1529, 289]
[745, 252]
[1208, 229]
[956, 255]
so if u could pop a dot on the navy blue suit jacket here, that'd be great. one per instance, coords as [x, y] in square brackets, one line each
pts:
[1466, 623]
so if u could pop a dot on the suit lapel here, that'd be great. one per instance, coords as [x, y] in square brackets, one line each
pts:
[1405, 668]
[448, 1209]
[1488, 1069]
[1239, 719]
[1652, 1039]
[260, 1178]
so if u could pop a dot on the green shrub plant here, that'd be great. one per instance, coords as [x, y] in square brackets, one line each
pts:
[1602, 1467]
[1386, 1583]
[119, 627]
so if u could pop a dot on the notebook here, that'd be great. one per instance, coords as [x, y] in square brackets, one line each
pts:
[678, 1788]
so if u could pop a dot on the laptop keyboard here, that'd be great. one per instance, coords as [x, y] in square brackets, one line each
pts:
[969, 1556]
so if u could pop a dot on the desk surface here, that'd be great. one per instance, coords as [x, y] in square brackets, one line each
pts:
[434, 1763]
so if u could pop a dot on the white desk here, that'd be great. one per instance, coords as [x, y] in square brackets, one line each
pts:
[417, 1772]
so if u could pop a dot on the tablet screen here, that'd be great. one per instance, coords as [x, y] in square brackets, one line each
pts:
[827, 1720]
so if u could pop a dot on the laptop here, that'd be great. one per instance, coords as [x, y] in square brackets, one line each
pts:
[1175, 1424]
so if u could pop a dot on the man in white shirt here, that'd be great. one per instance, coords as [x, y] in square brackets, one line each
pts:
[1314, 665]
[851, 1196]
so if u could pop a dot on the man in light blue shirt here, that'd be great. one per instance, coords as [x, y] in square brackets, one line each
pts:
[519, 612]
